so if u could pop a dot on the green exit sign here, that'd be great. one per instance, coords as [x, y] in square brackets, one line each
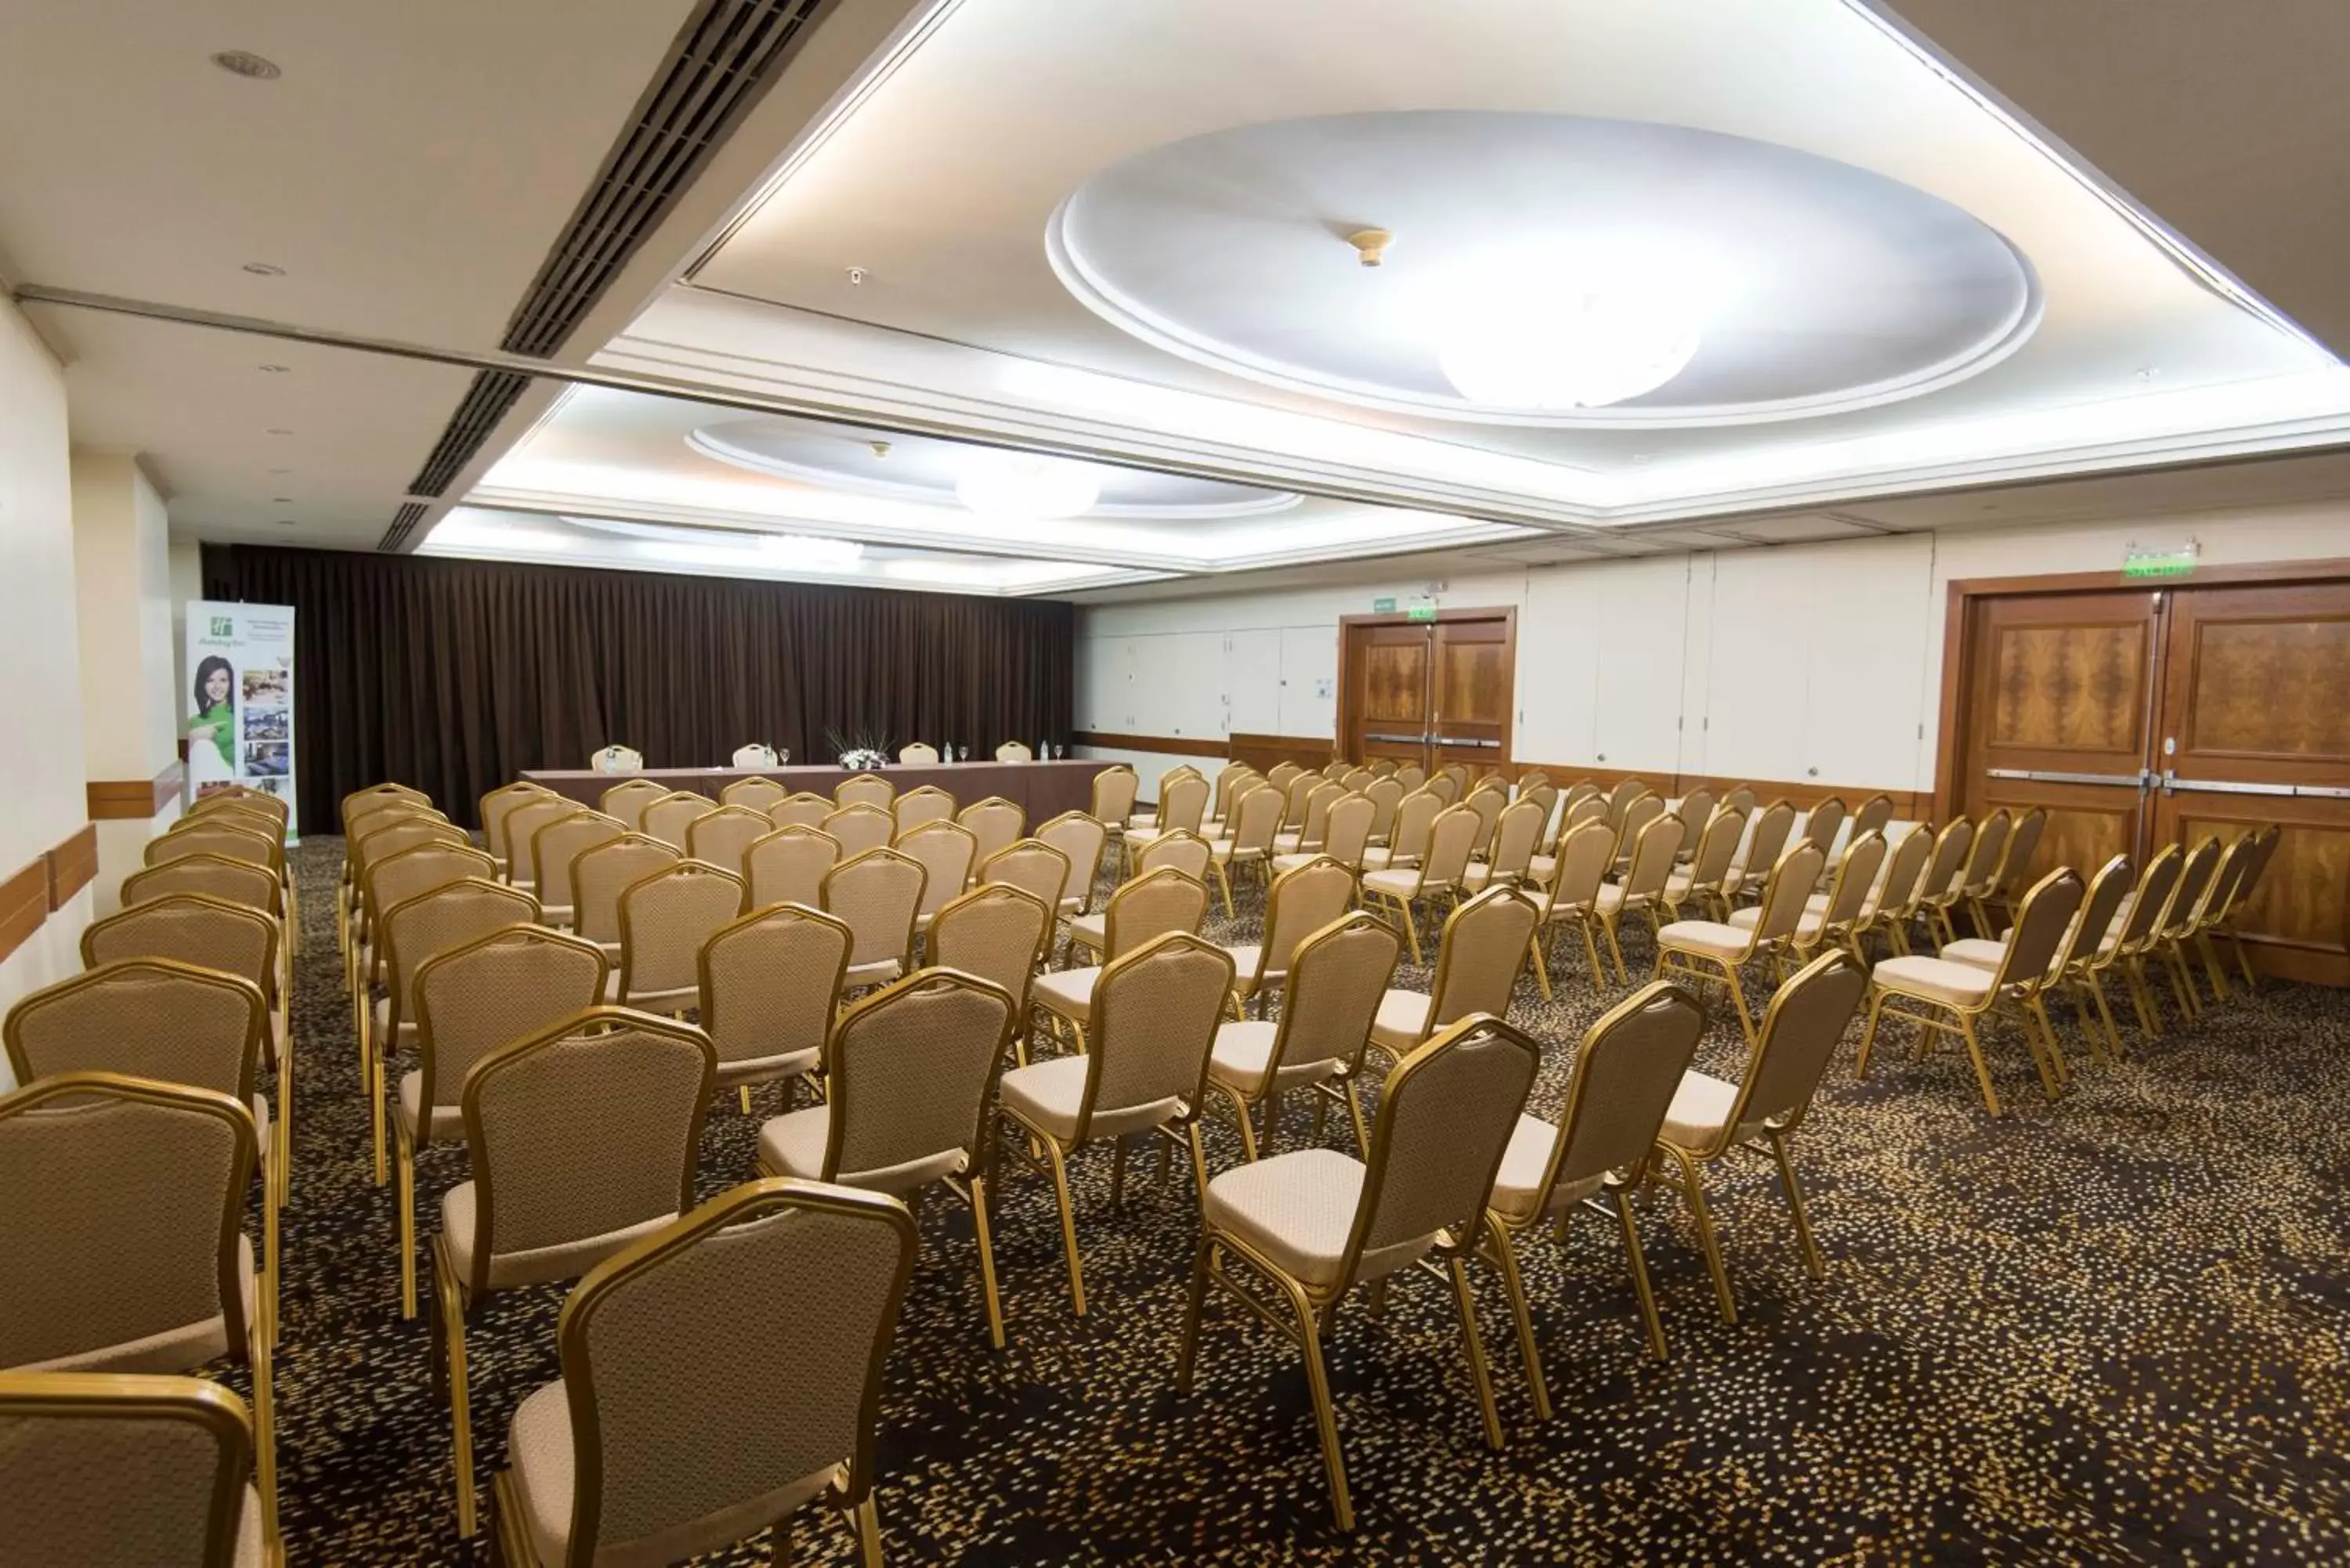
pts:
[1383, 607]
[2179, 563]
[1420, 612]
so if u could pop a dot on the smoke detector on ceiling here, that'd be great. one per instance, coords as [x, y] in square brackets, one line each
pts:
[243, 63]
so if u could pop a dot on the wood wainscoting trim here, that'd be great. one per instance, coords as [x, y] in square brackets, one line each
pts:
[1173, 746]
[115, 800]
[24, 905]
[72, 866]
[1265, 753]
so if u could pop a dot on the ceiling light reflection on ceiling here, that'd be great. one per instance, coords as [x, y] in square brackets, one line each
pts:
[1550, 332]
[807, 551]
[1017, 485]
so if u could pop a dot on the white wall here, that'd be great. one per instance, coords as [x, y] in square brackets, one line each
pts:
[1804, 661]
[41, 761]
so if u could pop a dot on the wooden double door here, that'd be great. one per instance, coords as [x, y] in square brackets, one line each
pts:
[2150, 716]
[1430, 691]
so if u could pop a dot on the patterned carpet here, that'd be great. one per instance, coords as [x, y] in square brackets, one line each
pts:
[2116, 1328]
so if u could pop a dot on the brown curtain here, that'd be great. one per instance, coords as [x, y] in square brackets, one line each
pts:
[454, 676]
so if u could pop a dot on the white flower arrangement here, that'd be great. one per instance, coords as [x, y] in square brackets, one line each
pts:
[863, 760]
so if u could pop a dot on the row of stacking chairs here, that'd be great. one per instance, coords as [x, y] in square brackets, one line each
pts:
[131, 1156]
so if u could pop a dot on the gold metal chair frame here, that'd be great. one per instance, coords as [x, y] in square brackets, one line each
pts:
[1798, 867]
[1338, 1088]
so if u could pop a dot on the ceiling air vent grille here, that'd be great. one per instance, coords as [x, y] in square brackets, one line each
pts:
[486, 403]
[723, 58]
[403, 523]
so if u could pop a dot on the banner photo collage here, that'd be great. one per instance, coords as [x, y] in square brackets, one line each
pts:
[241, 707]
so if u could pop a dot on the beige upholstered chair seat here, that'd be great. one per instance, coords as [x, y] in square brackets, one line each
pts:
[168, 1351]
[1293, 859]
[1394, 883]
[1711, 937]
[793, 1145]
[1379, 858]
[1817, 904]
[1934, 979]
[537, 1265]
[1224, 851]
[1517, 1186]
[1807, 924]
[766, 1069]
[1072, 904]
[1141, 819]
[1610, 897]
[1298, 1210]
[383, 1010]
[1980, 952]
[1542, 867]
[538, 1446]
[1138, 840]
[1474, 875]
[1402, 1020]
[1046, 1095]
[881, 971]
[448, 1121]
[1289, 844]
[1093, 930]
[1242, 1050]
[1701, 1108]
[666, 1002]
[1244, 975]
[1068, 992]
[1677, 884]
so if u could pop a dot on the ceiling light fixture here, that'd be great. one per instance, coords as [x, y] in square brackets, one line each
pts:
[279, 430]
[243, 63]
[265, 269]
[276, 369]
[1016, 485]
[281, 501]
[1564, 331]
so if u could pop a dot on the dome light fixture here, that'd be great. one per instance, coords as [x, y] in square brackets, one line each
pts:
[1022, 486]
[1551, 331]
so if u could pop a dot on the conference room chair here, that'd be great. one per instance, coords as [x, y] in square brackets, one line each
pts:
[616, 759]
[1184, 852]
[2236, 859]
[918, 753]
[523, 824]
[1152, 906]
[255, 813]
[1695, 807]
[1742, 796]
[1823, 823]
[1229, 778]
[1621, 1082]
[722, 837]
[1381, 767]
[1488, 801]
[625, 801]
[1111, 800]
[1710, 1118]
[122, 1243]
[172, 1023]
[2225, 921]
[1248, 842]
[2170, 943]
[1410, 776]
[1621, 796]
[1312, 1224]
[1948, 997]
[1570, 900]
[876, 895]
[948, 852]
[857, 828]
[2007, 883]
[359, 799]
[1280, 773]
[1574, 813]
[1874, 814]
[1436, 872]
[1702, 880]
[805, 809]
[1182, 808]
[671, 817]
[494, 808]
[1356, 779]
[908, 1070]
[2072, 970]
[1084, 842]
[1699, 951]
[556, 847]
[1635, 820]
[1832, 919]
[415, 931]
[387, 834]
[1155, 1011]
[1014, 751]
[1297, 786]
[1478, 961]
[246, 796]
[1510, 849]
[1980, 880]
[582, 1140]
[598, 877]
[1336, 977]
[608, 1464]
[665, 917]
[770, 981]
[1387, 796]
[1305, 806]
[998, 932]
[359, 810]
[238, 881]
[924, 802]
[1336, 768]
[1944, 883]
[1299, 902]
[865, 789]
[1039, 869]
[1544, 796]
[1345, 836]
[130, 1468]
[472, 1001]
[1446, 785]
[755, 755]
[995, 822]
[392, 881]
[1899, 890]
[2122, 949]
[753, 794]
[1458, 774]
[1647, 867]
[1156, 813]
[218, 835]
[1750, 868]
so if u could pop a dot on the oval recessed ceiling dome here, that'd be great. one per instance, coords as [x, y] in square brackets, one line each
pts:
[942, 473]
[1535, 262]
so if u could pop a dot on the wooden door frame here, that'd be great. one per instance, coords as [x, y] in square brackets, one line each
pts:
[1958, 650]
[1506, 614]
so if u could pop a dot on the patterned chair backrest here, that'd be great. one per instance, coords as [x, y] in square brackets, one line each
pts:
[1185, 852]
[423, 928]
[481, 996]
[1083, 839]
[753, 794]
[908, 1070]
[1153, 904]
[865, 789]
[1482, 953]
[1807, 1017]
[723, 836]
[802, 810]
[599, 875]
[920, 753]
[857, 828]
[670, 818]
[143, 1018]
[770, 981]
[877, 895]
[1630, 1063]
[994, 822]
[194, 929]
[1304, 899]
[237, 881]
[556, 847]
[1347, 830]
[756, 754]
[924, 802]
[101, 1470]
[626, 800]
[1445, 1117]
[522, 824]
[1183, 802]
[1338, 975]
[996, 932]
[1156, 1010]
[665, 917]
[1033, 867]
[1113, 795]
[947, 851]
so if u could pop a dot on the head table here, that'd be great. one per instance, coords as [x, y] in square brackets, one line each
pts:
[1044, 790]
